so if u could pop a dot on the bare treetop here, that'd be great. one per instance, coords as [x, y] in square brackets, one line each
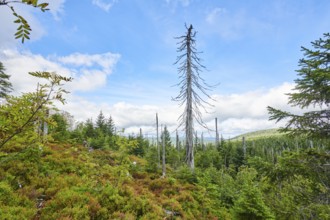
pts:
[192, 88]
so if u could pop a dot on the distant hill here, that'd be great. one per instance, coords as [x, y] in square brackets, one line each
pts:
[250, 135]
[259, 134]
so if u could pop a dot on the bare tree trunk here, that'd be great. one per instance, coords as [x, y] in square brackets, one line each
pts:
[163, 145]
[45, 127]
[157, 141]
[216, 133]
[177, 143]
[196, 144]
[189, 108]
[202, 141]
[311, 144]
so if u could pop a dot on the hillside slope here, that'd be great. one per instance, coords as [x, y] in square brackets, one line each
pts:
[259, 134]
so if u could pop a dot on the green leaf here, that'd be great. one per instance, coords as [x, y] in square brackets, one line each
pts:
[34, 2]
[43, 5]
[23, 20]
[19, 36]
[19, 32]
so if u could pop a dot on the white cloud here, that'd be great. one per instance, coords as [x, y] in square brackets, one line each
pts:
[132, 115]
[104, 5]
[8, 28]
[18, 64]
[251, 104]
[89, 80]
[245, 112]
[89, 71]
[106, 60]
[125, 115]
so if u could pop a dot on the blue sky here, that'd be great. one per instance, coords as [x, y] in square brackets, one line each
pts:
[121, 54]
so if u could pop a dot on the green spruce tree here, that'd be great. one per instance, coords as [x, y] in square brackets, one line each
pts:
[89, 130]
[110, 127]
[5, 85]
[101, 124]
[60, 129]
[167, 137]
[312, 90]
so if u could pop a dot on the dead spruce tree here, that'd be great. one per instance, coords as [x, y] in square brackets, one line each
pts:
[192, 86]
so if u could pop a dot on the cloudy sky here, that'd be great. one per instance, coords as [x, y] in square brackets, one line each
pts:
[121, 55]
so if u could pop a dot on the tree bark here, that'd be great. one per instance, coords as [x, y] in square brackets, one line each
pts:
[157, 141]
[163, 158]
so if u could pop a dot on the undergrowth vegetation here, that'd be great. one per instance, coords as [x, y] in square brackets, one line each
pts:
[276, 178]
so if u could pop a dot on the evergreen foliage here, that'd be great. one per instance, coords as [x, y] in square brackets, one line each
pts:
[312, 90]
[110, 127]
[59, 129]
[88, 129]
[5, 85]
[101, 124]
